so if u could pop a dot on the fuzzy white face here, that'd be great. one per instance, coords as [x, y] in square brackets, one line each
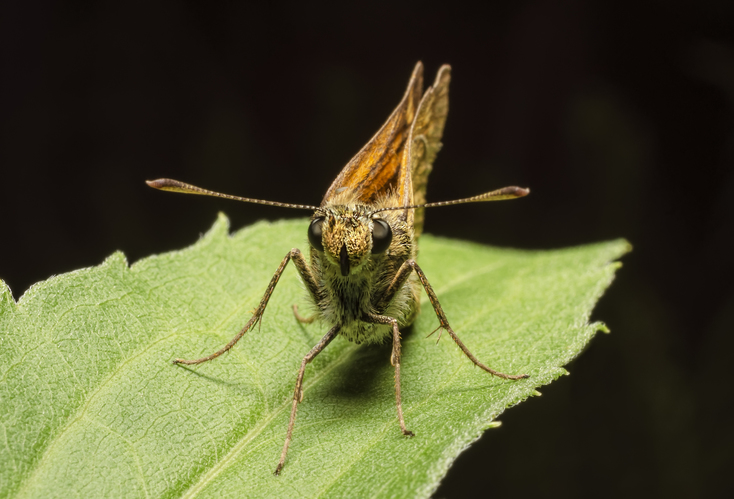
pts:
[348, 237]
[355, 254]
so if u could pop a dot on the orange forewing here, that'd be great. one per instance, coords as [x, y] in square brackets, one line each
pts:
[381, 165]
[400, 156]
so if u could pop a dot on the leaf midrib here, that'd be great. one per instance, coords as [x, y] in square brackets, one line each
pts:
[257, 430]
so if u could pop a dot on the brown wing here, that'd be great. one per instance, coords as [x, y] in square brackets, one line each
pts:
[380, 166]
[425, 139]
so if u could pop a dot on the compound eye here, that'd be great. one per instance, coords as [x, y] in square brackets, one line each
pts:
[381, 236]
[314, 233]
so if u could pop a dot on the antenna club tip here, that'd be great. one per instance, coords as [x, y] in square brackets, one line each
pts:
[521, 191]
[162, 183]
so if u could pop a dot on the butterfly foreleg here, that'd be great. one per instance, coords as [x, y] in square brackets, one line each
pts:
[402, 275]
[305, 272]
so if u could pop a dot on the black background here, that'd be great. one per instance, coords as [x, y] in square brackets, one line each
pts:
[616, 113]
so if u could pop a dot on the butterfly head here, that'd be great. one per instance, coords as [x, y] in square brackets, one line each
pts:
[348, 236]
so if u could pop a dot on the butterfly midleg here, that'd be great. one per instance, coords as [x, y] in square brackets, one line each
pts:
[401, 276]
[298, 393]
[394, 360]
[303, 269]
[302, 319]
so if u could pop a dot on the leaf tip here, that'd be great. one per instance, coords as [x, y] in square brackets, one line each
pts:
[601, 327]
[116, 258]
[219, 230]
[221, 224]
[6, 294]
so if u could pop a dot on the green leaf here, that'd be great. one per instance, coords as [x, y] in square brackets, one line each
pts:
[91, 406]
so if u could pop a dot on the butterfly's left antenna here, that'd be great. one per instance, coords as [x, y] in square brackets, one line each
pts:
[496, 195]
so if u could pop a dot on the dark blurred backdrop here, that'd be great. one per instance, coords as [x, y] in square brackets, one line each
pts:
[618, 114]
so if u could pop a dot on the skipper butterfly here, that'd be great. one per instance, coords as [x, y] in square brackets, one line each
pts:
[362, 275]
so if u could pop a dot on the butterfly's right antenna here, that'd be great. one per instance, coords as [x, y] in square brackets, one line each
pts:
[167, 184]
